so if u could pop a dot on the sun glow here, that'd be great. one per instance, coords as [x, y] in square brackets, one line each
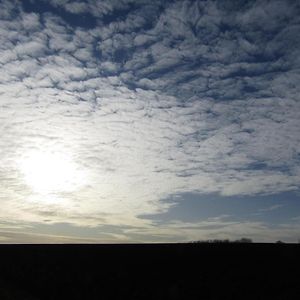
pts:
[49, 173]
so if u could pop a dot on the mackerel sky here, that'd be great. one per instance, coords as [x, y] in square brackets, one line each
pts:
[155, 121]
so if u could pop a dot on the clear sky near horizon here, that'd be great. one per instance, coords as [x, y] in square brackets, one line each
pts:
[149, 121]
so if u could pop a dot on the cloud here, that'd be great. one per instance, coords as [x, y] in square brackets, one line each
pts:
[150, 99]
[12, 237]
[273, 207]
[216, 229]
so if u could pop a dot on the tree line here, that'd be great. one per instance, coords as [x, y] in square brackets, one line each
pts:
[241, 240]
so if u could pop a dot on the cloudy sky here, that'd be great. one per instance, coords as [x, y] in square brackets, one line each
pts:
[149, 121]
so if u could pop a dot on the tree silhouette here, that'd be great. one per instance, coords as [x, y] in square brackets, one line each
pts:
[218, 241]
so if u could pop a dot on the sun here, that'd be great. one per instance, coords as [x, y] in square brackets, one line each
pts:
[49, 173]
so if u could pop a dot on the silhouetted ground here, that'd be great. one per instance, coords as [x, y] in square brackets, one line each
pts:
[150, 271]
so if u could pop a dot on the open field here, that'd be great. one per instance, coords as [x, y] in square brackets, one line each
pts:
[150, 271]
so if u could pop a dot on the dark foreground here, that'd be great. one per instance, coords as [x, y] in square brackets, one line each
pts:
[174, 271]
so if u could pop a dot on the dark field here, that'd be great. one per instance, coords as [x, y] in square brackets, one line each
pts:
[150, 271]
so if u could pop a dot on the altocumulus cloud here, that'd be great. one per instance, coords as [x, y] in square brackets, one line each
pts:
[150, 98]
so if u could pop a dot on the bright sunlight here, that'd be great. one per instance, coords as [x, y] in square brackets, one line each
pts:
[50, 172]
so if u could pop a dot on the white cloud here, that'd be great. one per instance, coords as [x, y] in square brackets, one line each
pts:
[180, 106]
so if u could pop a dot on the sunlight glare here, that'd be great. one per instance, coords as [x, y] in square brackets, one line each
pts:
[47, 172]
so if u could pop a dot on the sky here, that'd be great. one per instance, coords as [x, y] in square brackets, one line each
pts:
[140, 121]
